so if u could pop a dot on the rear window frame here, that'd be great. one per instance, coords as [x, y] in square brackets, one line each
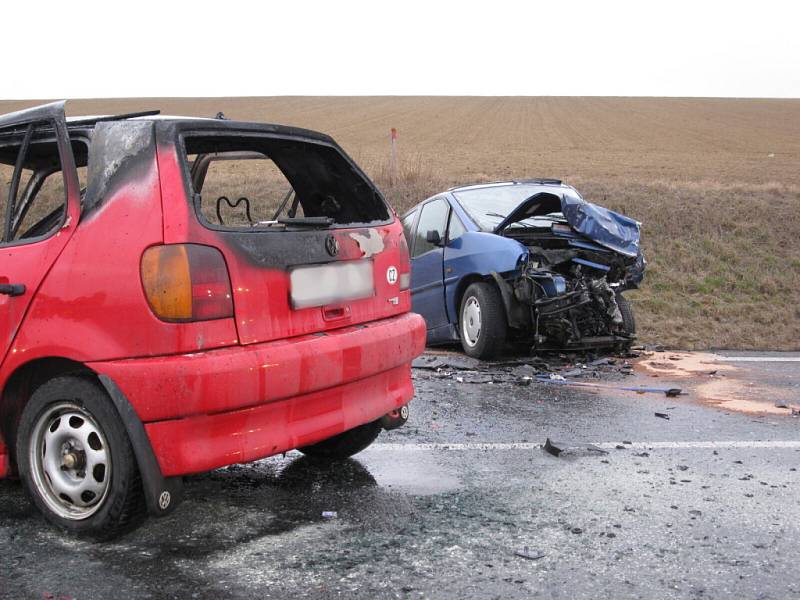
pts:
[196, 130]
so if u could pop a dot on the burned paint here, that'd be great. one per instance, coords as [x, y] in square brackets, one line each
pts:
[370, 244]
[120, 153]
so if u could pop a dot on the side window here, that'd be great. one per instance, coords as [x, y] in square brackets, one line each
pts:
[455, 229]
[33, 198]
[407, 222]
[45, 206]
[433, 218]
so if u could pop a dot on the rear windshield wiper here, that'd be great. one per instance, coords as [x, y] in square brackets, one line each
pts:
[307, 221]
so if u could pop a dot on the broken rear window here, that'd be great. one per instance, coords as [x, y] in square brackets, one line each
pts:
[250, 181]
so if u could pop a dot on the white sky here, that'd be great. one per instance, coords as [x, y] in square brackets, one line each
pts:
[343, 47]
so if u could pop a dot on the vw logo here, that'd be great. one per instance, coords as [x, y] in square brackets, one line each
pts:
[332, 245]
[391, 275]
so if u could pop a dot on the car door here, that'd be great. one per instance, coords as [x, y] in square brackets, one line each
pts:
[453, 264]
[39, 207]
[427, 270]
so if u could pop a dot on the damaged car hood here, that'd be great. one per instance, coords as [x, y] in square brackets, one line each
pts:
[600, 225]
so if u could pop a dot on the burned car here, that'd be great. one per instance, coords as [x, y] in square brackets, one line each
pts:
[528, 261]
[182, 294]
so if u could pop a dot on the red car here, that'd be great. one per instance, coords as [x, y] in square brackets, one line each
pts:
[181, 294]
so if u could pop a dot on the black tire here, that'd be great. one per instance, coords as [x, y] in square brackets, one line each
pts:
[345, 444]
[121, 506]
[628, 322]
[492, 327]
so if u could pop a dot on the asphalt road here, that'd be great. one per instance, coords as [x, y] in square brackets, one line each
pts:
[702, 505]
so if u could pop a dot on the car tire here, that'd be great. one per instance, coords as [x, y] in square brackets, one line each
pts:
[345, 444]
[76, 460]
[482, 323]
[628, 322]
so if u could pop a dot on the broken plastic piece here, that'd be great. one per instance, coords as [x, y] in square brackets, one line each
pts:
[529, 554]
[556, 448]
[661, 415]
[329, 514]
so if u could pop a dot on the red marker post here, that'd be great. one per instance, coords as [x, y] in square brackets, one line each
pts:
[393, 160]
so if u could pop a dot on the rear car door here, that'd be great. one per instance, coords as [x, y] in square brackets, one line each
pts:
[427, 268]
[39, 207]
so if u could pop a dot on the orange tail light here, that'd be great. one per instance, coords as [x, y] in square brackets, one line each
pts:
[186, 282]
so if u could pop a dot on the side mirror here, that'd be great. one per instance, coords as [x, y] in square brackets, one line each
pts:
[433, 237]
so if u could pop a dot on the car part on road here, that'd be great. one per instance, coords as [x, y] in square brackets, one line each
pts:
[529, 554]
[669, 392]
[558, 448]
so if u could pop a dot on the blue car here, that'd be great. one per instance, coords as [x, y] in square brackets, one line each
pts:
[525, 261]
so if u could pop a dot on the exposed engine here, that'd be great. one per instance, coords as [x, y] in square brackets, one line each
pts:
[573, 294]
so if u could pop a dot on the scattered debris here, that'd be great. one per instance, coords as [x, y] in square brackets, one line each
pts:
[554, 378]
[529, 554]
[661, 415]
[558, 448]
[329, 514]
[781, 404]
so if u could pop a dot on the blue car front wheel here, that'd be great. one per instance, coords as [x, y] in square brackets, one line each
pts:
[482, 321]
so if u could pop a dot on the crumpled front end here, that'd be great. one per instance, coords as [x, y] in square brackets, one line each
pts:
[569, 292]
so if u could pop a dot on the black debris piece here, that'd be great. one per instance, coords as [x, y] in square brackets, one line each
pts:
[558, 448]
[529, 554]
[661, 415]
[554, 448]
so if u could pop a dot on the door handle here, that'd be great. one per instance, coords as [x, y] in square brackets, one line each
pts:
[12, 289]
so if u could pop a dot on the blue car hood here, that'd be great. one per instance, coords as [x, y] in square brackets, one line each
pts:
[604, 227]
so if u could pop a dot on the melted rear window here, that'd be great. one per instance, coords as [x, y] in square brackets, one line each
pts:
[250, 181]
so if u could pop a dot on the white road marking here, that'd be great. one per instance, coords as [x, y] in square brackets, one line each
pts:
[768, 444]
[759, 358]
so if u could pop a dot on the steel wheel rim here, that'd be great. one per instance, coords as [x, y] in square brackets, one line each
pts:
[471, 321]
[70, 461]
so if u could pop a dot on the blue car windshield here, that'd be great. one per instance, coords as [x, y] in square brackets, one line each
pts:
[489, 206]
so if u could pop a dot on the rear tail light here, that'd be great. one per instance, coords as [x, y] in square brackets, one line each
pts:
[186, 282]
[405, 265]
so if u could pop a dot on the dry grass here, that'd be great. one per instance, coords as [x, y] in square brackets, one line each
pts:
[715, 182]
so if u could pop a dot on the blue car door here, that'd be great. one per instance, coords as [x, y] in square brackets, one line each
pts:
[427, 268]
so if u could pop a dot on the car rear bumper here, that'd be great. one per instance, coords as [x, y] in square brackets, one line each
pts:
[241, 403]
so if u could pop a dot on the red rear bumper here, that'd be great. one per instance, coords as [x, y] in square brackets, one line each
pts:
[241, 403]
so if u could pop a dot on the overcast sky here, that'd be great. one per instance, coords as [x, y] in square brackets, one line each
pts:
[341, 47]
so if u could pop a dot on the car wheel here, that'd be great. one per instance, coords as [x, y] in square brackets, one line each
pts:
[345, 444]
[628, 322]
[482, 321]
[76, 461]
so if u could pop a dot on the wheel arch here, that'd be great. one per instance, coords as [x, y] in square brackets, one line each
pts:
[28, 377]
[461, 289]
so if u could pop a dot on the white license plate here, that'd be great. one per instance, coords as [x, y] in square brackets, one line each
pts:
[320, 285]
